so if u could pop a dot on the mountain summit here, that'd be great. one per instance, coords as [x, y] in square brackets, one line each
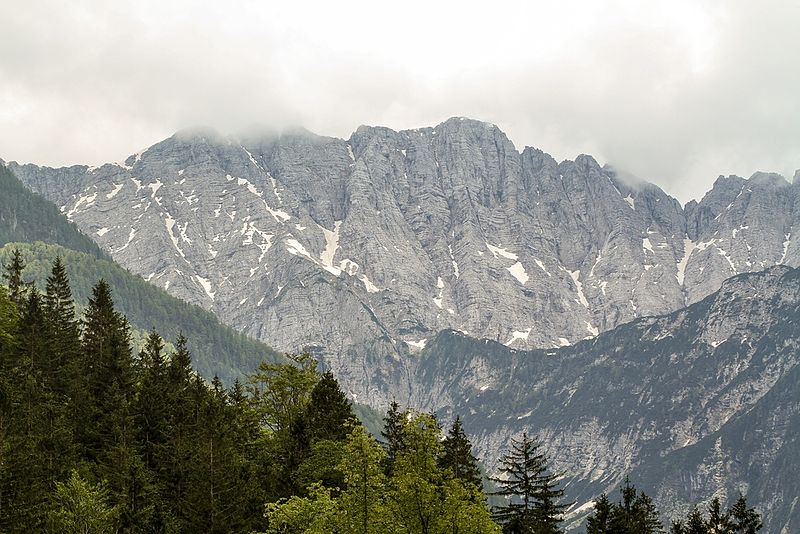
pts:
[364, 249]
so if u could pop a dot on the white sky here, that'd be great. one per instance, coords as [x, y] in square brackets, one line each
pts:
[675, 92]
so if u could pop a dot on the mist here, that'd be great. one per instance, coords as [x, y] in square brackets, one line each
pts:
[675, 93]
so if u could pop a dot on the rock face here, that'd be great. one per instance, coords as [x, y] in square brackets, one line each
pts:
[364, 249]
[700, 403]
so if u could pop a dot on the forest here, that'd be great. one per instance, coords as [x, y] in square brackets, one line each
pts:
[96, 437]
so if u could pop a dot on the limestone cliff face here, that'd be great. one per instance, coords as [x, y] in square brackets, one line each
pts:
[363, 249]
[699, 403]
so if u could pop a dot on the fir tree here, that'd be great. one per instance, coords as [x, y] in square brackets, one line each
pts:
[744, 520]
[531, 489]
[13, 277]
[600, 520]
[63, 330]
[457, 456]
[329, 413]
[635, 513]
[718, 521]
[392, 434]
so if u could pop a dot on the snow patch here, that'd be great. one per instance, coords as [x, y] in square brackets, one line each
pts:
[170, 224]
[688, 248]
[592, 329]
[499, 251]
[417, 344]
[102, 231]
[785, 247]
[629, 199]
[206, 285]
[113, 193]
[371, 288]
[154, 187]
[331, 246]
[518, 271]
[647, 245]
[541, 266]
[579, 286]
[517, 335]
[294, 247]
[131, 235]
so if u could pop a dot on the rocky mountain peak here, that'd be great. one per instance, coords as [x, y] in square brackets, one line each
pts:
[365, 248]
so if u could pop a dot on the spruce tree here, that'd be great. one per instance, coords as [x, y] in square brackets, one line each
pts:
[744, 520]
[108, 426]
[635, 513]
[531, 489]
[392, 435]
[457, 456]
[600, 520]
[63, 330]
[13, 277]
[329, 414]
[718, 521]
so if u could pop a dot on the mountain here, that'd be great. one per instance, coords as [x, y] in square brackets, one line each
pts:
[216, 349]
[699, 403]
[28, 217]
[364, 249]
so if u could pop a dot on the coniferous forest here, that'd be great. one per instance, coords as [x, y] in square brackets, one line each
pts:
[98, 438]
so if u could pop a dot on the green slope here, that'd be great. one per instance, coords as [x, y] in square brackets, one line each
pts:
[216, 349]
[26, 217]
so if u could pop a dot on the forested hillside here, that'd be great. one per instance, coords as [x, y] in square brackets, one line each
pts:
[218, 350]
[26, 216]
[97, 439]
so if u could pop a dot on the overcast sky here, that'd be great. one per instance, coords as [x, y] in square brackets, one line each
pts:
[675, 92]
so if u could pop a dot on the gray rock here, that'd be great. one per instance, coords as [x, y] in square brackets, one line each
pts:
[363, 249]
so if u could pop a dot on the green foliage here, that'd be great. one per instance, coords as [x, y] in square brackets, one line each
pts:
[531, 489]
[457, 456]
[738, 519]
[26, 216]
[217, 349]
[82, 508]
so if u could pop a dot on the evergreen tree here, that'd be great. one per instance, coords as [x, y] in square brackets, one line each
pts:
[635, 513]
[329, 413]
[392, 434]
[695, 524]
[600, 520]
[13, 277]
[63, 330]
[718, 521]
[457, 456]
[81, 508]
[531, 489]
[107, 427]
[744, 520]
[152, 402]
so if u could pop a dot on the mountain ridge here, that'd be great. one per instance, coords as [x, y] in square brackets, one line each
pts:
[403, 234]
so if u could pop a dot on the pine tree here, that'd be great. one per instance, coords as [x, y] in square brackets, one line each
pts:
[718, 521]
[63, 330]
[152, 402]
[525, 480]
[107, 426]
[635, 513]
[329, 413]
[695, 524]
[457, 456]
[13, 277]
[744, 520]
[392, 435]
[600, 520]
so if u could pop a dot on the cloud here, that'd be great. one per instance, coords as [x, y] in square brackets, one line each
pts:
[674, 92]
